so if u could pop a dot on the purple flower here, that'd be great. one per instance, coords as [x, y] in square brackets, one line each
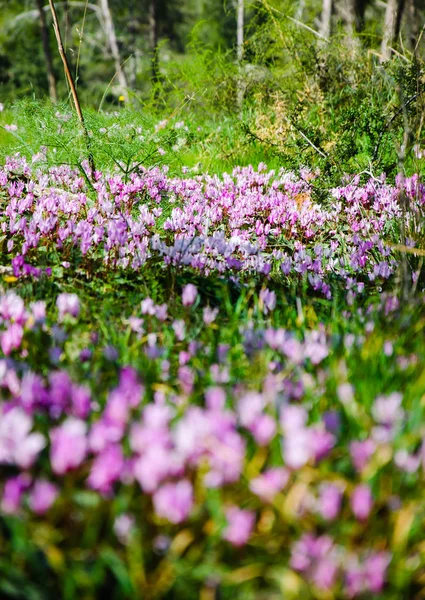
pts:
[189, 294]
[324, 574]
[42, 496]
[68, 304]
[152, 468]
[387, 410]
[296, 448]
[209, 315]
[361, 453]
[12, 494]
[270, 483]
[38, 311]
[11, 339]
[68, 446]
[174, 501]
[292, 418]
[215, 398]
[361, 502]
[329, 503]
[321, 442]
[179, 329]
[375, 569]
[267, 300]
[123, 527]
[17, 444]
[264, 429]
[240, 524]
[106, 469]
[148, 306]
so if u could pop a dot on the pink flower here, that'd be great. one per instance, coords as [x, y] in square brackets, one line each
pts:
[38, 310]
[152, 468]
[106, 469]
[386, 410]
[321, 442]
[264, 429]
[361, 502]
[329, 503]
[42, 496]
[270, 483]
[12, 495]
[68, 445]
[375, 569]
[361, 452]
[174, 501]
[12, 308]
[215, 398]
[209, 315]
[11, 339]
[17, 445]
[123, 527]
[68, 304]
[292, 418]
[240, 524]
[296, 448]
[189, 294]
[324, 574]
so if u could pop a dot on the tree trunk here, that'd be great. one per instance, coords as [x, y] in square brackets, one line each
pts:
[153, 41]
[240, 14]
[326, 19]
[412, 24]
[240, 29]
[392, 23]
[113, 45]
[345, 11]
[47, 53]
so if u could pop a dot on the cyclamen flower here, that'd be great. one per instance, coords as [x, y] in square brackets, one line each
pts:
[361, 452]
[42, 496]
[315, 557]
[375, 570]
[240, 524]
[13, 492]
[361, 502]
[387, 410]
[68, 304]
[11, 339]
[106, 469]
[12, 308]
[68, 446]
[267, 300]
[174, 501]
[209, 315]
[329, 503]
[270, 483]
[17, 444]
[189, 294]
[38, 310]
[123, 527]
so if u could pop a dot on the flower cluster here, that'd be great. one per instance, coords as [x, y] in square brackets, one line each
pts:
[188, 432]
[249, 221]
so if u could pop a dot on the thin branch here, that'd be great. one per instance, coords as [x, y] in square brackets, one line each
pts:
[299, 23]
[71, 83]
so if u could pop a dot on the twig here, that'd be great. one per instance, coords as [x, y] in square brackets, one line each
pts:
[71, 83]
[308, 141]
[300, 23]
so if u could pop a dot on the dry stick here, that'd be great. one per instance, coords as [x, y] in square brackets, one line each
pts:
[71, 83]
